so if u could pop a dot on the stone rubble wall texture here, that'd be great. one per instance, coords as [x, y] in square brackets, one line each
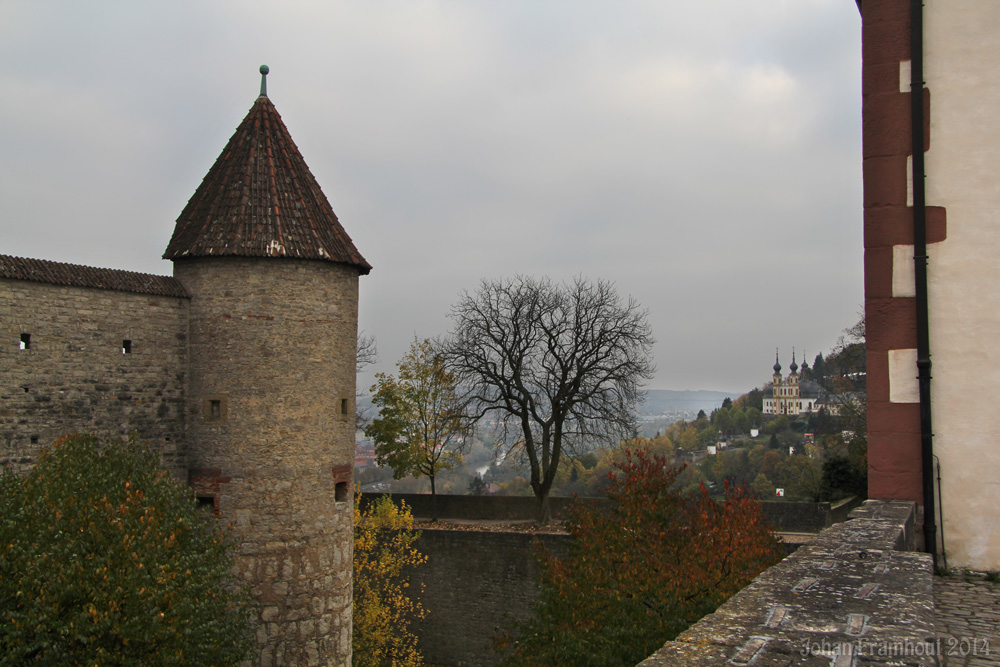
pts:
[474, 586]
[853, 596]
[74, 376]
[273, 341]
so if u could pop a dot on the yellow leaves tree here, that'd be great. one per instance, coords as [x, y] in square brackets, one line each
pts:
[384, 605]
[420, 429]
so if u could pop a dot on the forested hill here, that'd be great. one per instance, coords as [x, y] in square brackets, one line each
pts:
[665, 401]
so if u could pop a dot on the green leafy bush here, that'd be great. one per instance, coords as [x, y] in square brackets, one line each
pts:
[106, 560]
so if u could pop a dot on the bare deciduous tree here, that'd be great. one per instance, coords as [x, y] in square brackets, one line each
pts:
[367, 355]
[367, 351]
[556, 367]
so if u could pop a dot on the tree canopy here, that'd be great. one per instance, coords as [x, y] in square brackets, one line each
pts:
[106, 560]
[420, 429]
[384, 605]
[557, 367]
[640, 574]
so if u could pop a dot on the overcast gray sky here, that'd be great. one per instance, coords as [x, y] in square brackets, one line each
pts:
[705, 156]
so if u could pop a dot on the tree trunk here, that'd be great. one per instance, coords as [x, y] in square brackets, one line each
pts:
[434, 501]
[544, 514]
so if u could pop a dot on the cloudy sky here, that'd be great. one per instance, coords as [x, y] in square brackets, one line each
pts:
[705, 156]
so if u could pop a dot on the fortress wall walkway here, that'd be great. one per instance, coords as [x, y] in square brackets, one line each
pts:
[855, 595]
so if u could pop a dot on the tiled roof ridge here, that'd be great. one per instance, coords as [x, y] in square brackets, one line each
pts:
[79, 275]
[259, 199]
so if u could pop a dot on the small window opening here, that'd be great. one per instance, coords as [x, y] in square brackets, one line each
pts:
[213, 408]
[343, 406]
[26, 341]
[340, 492]
[206, 503]
[126, 346]
[34, 439]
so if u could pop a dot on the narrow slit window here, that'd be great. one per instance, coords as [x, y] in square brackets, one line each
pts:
[214, 408]
[340, 492]
[343, 406]
[126, 346]
[26, 341]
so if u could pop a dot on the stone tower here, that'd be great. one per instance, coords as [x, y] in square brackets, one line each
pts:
[273, 280]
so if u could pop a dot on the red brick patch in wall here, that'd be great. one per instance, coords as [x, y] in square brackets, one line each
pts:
[207, 484]
[894, 417]
[890, 323]
[894, 466]
[877, 379]
[887, 226]
[342, 482]
[885, 181]
[878, 272]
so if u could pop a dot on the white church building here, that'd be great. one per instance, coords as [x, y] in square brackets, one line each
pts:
[791, 395]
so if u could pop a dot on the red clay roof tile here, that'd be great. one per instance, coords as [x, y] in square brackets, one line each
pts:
[77, 275]
[259, 199]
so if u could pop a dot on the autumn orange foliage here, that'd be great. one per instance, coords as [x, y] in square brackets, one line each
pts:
[640, 574]
[106, 560]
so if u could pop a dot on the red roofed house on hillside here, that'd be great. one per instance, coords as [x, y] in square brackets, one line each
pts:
[240, 369]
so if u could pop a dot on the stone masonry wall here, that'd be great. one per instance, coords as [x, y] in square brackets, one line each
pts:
[473, 586]
[74, 376]
[855, 595]
[793, 517]
[270, 430]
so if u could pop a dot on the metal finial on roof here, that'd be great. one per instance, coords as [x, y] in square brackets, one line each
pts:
[263, 80]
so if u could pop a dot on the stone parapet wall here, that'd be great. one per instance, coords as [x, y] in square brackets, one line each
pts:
[857, 584]
[794, 517]
[74, 375]
[855, 595]
[473, 586]
[479, 508]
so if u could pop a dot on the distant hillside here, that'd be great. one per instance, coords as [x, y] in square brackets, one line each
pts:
[658, 402]
[667, 401]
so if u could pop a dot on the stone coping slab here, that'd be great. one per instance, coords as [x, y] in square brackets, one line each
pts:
[851, 597]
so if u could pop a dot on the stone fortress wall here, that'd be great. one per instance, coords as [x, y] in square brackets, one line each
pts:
[105, 361]
[270, 433]
[855, 594]
[240, 369]
[243, 379]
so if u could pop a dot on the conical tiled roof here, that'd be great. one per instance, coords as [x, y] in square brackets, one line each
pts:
[259, 199]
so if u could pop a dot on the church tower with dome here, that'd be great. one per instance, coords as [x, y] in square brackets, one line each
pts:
[787, 396]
